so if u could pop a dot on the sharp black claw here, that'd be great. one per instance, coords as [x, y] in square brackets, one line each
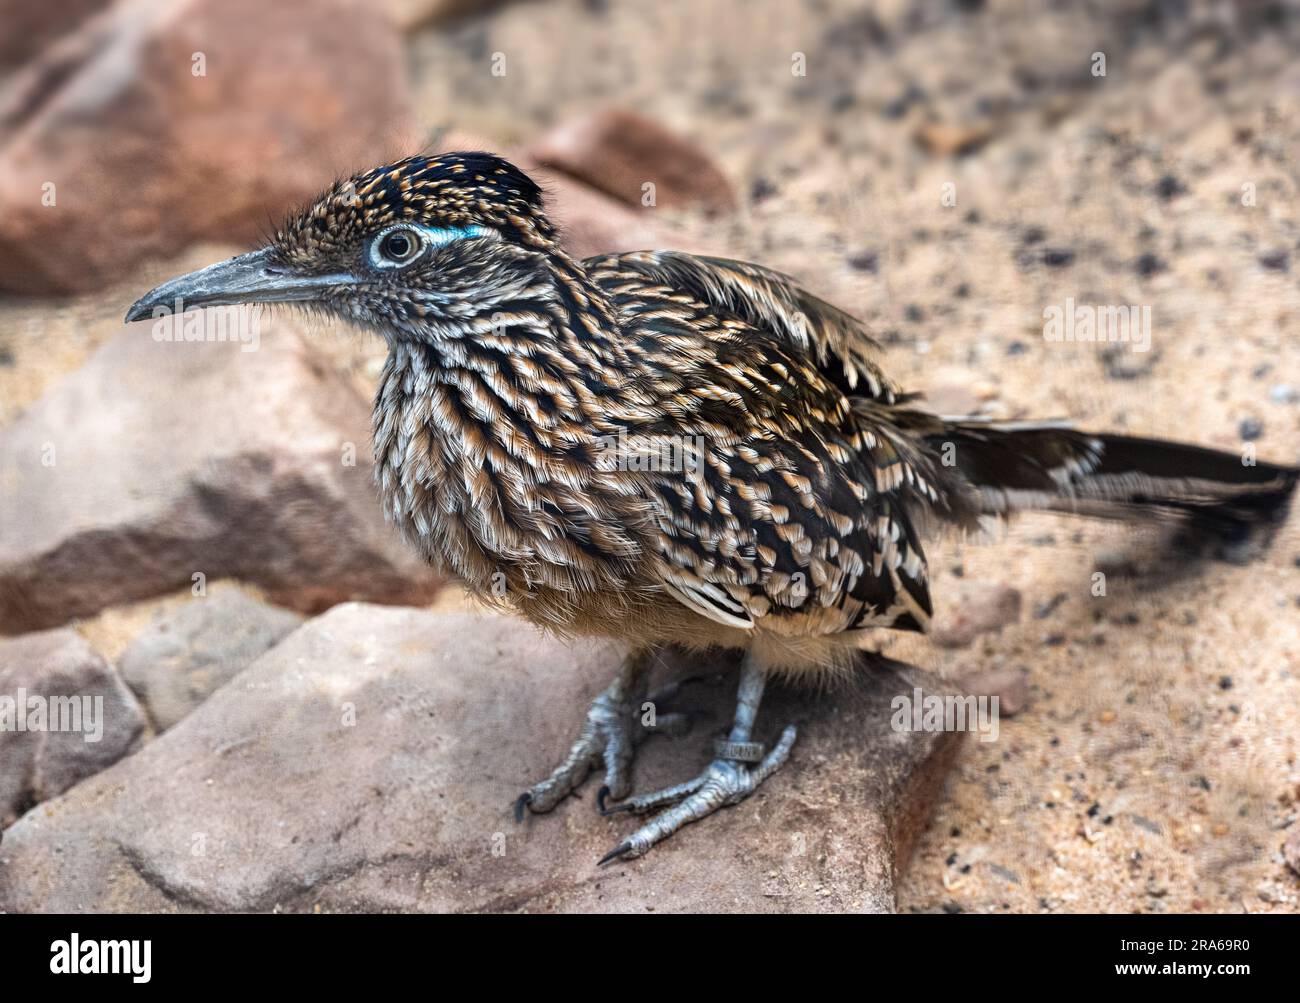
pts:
[613, 854]
[601, 795]
[523, 802]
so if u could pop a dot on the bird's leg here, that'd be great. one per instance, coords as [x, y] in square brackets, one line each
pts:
[610, 735]
[726, 781]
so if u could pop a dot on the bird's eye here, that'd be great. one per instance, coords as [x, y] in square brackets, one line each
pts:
[404, 243]
[400, 246]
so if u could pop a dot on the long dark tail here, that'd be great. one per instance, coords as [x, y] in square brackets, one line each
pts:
[1009, 467]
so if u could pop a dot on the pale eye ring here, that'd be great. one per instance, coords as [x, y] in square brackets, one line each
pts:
[397, 246]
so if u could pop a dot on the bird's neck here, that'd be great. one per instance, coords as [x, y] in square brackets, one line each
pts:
[486, 436]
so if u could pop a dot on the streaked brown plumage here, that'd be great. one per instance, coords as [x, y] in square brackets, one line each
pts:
[526, 395]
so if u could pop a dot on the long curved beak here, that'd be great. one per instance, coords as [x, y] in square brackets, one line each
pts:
[249, 278]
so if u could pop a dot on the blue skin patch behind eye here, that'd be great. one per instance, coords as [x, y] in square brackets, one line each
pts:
[434, 236]
[437, 236]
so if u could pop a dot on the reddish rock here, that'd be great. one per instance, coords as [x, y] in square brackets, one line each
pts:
[31, 25]
[1010, 686]
[146, 155]
[969, 609]
[369, 762]
[64, 716]
[592, 223]
[158, 461]
[619, 152]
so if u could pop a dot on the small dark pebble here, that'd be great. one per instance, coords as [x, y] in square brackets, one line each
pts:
[1278, 261]
[1250, 429]
[1045, 609]
[1148, 264]
[1094, 810]
[952, 859]
[1225, 682]
[761, 188]
[1202, 782]
[1122, 364]
[954, 832]
[914, 314]
[974, 216]
[952, 908]
[1169, 186]
[1034, 235]
[865, 261]
[962, 291]
[1054, 640]
[897, 108]
[1017, 348]
[1057, 257]
[843, 101]
[1147, 824]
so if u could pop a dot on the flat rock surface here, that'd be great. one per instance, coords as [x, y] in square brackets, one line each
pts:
[64, 715]
[158, 461]
[185, 654]
[370, 762]
[636, 160]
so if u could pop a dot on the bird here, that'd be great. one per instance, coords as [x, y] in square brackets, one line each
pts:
[670, 449]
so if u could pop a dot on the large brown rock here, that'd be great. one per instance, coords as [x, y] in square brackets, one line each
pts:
[31, 25]
[620, 152]
[64, 715]
[163, 123]
[369, 762]
[160, 461]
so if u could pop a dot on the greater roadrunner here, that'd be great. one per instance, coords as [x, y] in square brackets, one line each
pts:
[667, 448]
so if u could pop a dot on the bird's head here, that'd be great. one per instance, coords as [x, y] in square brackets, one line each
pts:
[425, 243]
